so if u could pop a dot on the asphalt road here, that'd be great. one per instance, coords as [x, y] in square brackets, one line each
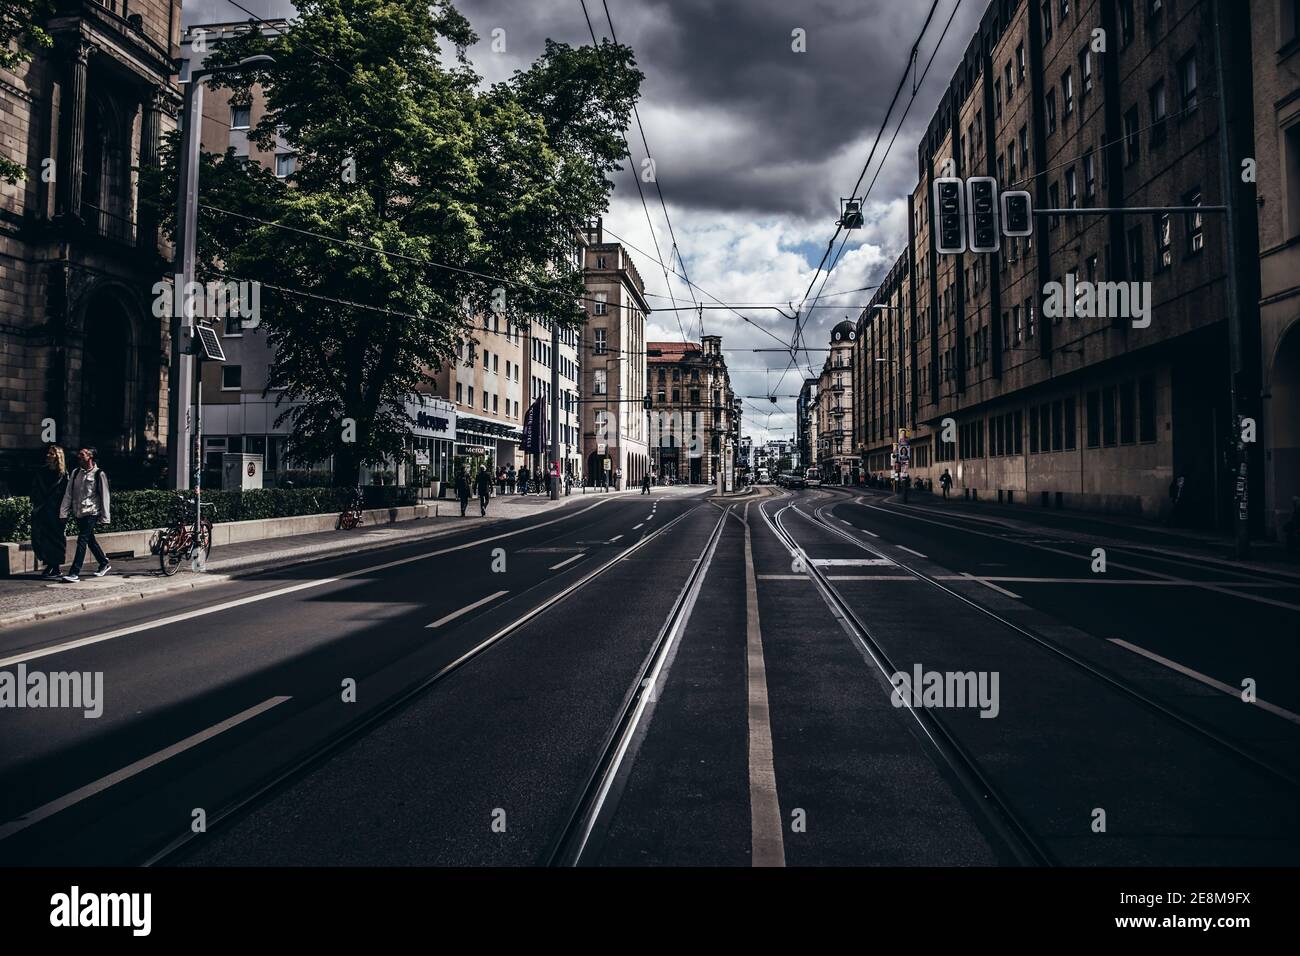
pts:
[482, 699]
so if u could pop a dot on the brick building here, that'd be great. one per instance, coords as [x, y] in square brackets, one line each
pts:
[80, 347]
[693, 410]
[1095, 411]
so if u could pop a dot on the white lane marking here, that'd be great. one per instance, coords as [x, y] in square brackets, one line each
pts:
[556, 567]
[872, 533]
[768, 841]
[870, 577]
[910, 551]
[117, 776]
[1207, 680]
[988, 584]
[266, 596]
[613, 539]
[1231, 591]
[641, 525]
[1101, 579]
[783, 577]
[852, 562]
[466, 609]
[846, 521]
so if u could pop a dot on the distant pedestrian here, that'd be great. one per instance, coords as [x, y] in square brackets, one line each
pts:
[501, 481]
[48, 541]
[618, 479]
[523, 480]
[484, 489]
[945, 482]
[510, 479]
[645, 483]
[86, 499]
[462, 491]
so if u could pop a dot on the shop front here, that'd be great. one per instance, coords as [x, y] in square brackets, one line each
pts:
[430, 447]
[483, 443]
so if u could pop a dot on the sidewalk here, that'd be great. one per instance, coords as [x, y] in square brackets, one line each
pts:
[27, 598]
[1103, 528]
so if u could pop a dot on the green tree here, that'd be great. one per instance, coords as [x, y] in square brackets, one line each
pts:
[21, 35]
[450, 200]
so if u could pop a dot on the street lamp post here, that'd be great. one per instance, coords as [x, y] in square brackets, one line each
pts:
[187, 207]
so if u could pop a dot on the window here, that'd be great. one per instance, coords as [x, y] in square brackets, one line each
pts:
[1135, 270]
[1045, 429]
[1054, 197]
[234, 325]
[1093, 419]
[1051, 111]
[239, 117]
[1164, 242]
[487, 359]
[1085, 71]
[1029, 318]
[1024, 149]
[1011, 162]
[469, 391]
[1071, 425]
[1091, 266]
[1195, 224]
[1187, 81]
[1033, 430]
[1108, 416]
[1011, 87]
[1020, 61]
[601, 306]
[1126, 23]
[1058, 425]
[600, 381]
[997, 98]
[232, 378]
[1047, 22]
[1147, 408]
[285, 163]
[485, 400]
[494, 405]
[1131, 143]
[1071, 188]
[496, 365]
[1067, 92]
[1065, 9]
[459, 393]
[695, 396]
[600, 341]
[600, 262]
[1156, 100]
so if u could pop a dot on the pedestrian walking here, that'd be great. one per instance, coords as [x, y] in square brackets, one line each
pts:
[48, 541]
[523, 480]
[510, 479]
[945, 482]
[462, 491]
[645, 483]
[86, 499]
[501, 481]
[484, 490]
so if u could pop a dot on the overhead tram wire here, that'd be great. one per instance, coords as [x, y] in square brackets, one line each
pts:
[658, 189]
[917, 82]
[635, 178]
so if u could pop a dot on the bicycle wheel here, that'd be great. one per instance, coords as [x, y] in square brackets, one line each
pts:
[169, 551]
[205, 542]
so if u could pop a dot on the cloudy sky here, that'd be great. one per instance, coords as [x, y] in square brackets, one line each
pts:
[754, 144]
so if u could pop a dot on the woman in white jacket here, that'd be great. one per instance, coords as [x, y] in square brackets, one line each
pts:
[86, 500]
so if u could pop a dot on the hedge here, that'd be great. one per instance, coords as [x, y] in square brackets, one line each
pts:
[140, 510]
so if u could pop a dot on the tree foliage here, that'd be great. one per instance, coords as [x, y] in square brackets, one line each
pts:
[439, 190]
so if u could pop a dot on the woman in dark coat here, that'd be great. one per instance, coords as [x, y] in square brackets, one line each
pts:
[462, 491]
[48, 540]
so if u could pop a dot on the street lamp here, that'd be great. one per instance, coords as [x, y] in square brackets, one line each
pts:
[187, 207]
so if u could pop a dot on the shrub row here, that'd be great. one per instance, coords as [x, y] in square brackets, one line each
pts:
[139, 510]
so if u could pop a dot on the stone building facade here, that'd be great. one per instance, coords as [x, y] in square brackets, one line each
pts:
[694, 414]
[82, 355]
[1098, 411]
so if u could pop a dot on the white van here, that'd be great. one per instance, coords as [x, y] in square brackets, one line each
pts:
[813, 478]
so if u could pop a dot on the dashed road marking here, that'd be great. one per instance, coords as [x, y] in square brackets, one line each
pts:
[466, 609]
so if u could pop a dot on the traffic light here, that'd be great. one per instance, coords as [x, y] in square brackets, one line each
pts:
[645, 402]
[982, 213]
[1017, 214]
[949, 216]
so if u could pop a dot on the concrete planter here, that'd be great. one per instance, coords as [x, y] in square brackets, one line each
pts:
[18, 558]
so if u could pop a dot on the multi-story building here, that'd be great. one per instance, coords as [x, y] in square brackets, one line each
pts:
[613, 363]
[1275, 28]
[82, 354]
[837, 457]
[693, 409]
[1108, 104]
[806, 421]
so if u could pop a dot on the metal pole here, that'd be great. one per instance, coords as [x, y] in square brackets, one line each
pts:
[181, 369]
[196, 552]
[1241, 504]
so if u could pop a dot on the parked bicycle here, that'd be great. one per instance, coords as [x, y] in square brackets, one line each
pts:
[350, 516]
[178, 541]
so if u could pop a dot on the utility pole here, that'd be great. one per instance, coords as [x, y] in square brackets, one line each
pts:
[1241, 502]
